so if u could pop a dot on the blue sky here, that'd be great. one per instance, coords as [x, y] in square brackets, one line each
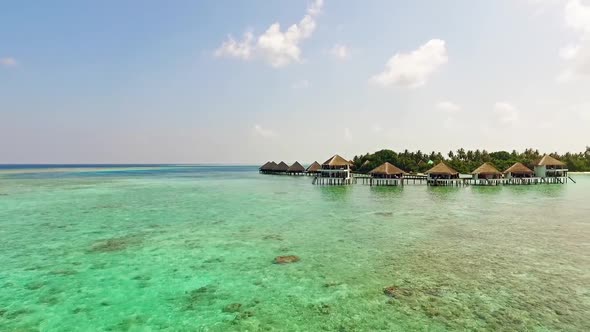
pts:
[218, 81]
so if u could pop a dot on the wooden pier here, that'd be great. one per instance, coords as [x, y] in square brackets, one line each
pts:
[499, 182]
[337, 171]
[332, 181]
[406, 180]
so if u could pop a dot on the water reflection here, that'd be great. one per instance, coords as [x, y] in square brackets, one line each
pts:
[335, 193]
[487, 190]
[386, 193]
[543, 190]
[439, 194]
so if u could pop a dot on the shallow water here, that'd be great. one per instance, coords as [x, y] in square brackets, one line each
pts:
[192, 248]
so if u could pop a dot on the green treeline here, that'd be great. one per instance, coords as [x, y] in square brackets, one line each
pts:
[467, 161]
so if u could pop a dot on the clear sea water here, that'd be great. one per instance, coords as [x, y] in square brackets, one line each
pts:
[191, 248]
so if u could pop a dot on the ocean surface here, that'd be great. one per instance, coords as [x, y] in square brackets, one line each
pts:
[191, 248]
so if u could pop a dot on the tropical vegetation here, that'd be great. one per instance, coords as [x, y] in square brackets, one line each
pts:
[466, 161]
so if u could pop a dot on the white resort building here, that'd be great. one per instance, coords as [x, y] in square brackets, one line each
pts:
[549, 167]
[334, 171]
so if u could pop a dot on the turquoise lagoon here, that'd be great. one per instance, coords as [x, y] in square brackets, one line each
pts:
[191, 248]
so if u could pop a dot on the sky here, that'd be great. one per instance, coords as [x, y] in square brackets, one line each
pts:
[245, 82]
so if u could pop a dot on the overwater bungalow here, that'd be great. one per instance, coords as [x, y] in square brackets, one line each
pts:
[386, 175]
[265, 168]
[548, 166]
[296, 169]
[334, 171]
[442, 171]
[272, 168]
[281, 167]
[387, 171]
[518, 170]
[313, 168]
[442, 175]
[268, 168]
[486, 171]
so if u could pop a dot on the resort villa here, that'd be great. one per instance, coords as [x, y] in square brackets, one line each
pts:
[314, 168]
[335, 171]
[281, 167]
[339, 171]
[268, 168]
[550, 167]
[296, 169]
[442, 171]
[387, 171]
[486, 171]
[518, 170]
[386, 175]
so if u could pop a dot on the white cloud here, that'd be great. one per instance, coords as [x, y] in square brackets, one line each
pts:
[569, 52]
[506, 112]
[340, 51]
[8, 62]
[302, 84]
[278, 48]
[447, 106]
[577, 16]
[232, 48]
[263, 132]
[415, 68]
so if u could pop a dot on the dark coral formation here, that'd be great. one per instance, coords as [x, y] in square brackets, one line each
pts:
[232, 307]
[384, 214]
[286, 259]
[396, 292]
[115, 244]
[198, 296]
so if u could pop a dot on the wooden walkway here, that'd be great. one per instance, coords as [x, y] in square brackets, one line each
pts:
[330, 181]
[406, 180]
[498, 182]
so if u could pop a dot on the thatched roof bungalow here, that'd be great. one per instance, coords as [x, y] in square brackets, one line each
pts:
[268, 168]
[486, 171]
[442, 171]
[314, 168]
[518, 170]
[281, 167]
[336, 167]
[548, 166]
[264, 168]
[387, 171]
[336, 162]
[296, 168]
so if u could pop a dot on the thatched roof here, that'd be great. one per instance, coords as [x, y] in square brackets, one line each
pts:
[442, 168]
[296, 168]
[387, 169]
[336, 160]
[547, 160]
[265, 167]
[518, 168]
[273, 166]
[486, 168]
[281, 167]
[313, 168]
